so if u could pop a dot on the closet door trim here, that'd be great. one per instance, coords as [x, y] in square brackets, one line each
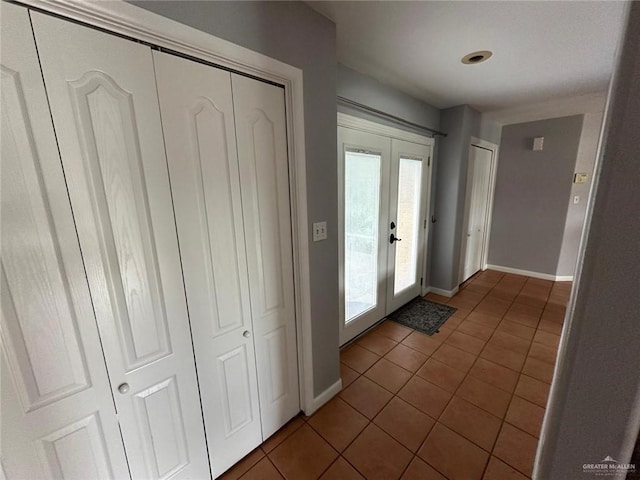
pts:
[138, 24]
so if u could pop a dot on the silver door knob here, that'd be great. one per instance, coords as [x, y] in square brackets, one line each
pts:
[246, 334]
[123, 388]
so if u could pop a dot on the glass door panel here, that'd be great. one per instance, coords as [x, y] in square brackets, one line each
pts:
[361, 233]
[407, 222]
[408, 225]
[363, 168]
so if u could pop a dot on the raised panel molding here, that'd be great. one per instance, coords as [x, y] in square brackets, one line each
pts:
[159, 417]
[105, 119]
[265, 168]
[235, 389]
[131, 21]
[215, 208]
[45, 358]
[83, 439]
[276, 349]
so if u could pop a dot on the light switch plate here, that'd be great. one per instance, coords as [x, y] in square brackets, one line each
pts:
[580, 177]
[319, 231]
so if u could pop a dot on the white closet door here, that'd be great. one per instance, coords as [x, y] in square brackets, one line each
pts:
[197, 118]
[105, 111]
[477, 204]
[58, 417]
[264, 177]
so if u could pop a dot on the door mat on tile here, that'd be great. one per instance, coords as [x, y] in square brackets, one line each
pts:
[423, 315]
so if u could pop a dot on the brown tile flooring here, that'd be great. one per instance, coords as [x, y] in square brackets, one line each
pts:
[466, 403]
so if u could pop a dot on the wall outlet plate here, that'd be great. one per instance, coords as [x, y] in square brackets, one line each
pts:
[319, 231]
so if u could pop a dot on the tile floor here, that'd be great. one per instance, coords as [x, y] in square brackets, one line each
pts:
[466, 403]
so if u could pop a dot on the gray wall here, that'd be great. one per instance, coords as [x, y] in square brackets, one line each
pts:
[576, 212]
[368, 91]
[594, 408]
[532, 193]
[461, 123]
[295, 34]
[489, 130]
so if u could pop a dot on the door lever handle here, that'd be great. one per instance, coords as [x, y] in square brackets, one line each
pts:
[393, 238]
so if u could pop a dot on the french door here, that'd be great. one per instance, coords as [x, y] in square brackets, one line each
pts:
[383, 205]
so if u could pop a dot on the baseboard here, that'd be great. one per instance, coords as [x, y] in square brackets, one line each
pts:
[444, 293]
[542, 276]
[564, 278]
[324, 397]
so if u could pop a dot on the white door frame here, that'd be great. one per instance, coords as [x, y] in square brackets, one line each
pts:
[477, 142]
[356, 123]
[138, 24]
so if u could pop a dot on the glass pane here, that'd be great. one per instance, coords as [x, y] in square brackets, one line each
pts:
[361, 213]
[408, 224]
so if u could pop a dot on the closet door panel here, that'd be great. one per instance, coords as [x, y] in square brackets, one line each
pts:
[105, 110]
[197, 117]
[58, 418]
[262, 151]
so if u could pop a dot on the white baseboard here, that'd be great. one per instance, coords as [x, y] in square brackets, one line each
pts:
[564, 278]
[542, 276]
[324, 397]
[444, 293]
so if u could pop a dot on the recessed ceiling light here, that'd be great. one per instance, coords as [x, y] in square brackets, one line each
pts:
[476, 57]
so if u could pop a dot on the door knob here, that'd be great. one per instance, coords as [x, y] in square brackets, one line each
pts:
[123, 388]
[246, 334]
[393, 238]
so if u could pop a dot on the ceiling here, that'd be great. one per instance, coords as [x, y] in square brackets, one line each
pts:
[541, 49]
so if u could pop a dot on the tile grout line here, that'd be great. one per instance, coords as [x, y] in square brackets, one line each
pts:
[467, 374]
[437, 420]
[452, 395]
[415, 374]
[504, 419]
[512, 394]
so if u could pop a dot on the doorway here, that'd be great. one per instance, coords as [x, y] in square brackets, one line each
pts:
[478, 206]
[383, 194]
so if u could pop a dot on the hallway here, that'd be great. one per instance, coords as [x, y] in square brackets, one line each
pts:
[466, 403]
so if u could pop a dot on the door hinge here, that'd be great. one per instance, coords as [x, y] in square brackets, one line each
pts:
[425, 223]
[429, 161]
[421, 280]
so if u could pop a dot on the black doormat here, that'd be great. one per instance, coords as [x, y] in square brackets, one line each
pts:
[423, 315]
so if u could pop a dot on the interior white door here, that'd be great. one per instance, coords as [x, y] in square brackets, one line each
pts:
[261, 132]
[407, 224]
[364, 162]
[105, 112]
[197, 118]
[478, 183]
[58, 417]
